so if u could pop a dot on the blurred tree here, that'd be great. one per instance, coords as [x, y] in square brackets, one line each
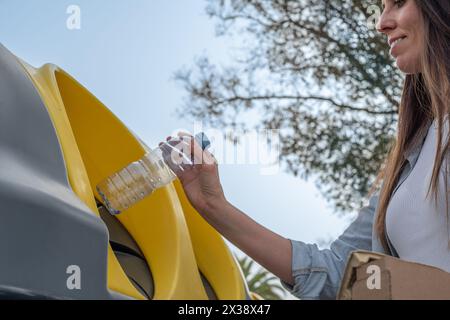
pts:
[316, 71]
[260, 281]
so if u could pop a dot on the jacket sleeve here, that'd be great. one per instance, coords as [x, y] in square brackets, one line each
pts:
[318, 273]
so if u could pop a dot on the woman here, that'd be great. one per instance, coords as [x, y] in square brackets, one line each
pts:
[400, 221]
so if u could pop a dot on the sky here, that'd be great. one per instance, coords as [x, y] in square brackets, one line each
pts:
[126, 53]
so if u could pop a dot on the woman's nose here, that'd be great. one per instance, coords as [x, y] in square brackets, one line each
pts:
[385, 23]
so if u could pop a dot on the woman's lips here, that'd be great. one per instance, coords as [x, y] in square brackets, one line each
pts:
[395, 46]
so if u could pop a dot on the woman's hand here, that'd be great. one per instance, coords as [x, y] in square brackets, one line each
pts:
[200, 180]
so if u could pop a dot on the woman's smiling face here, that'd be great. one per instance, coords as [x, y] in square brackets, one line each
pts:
[402, 23]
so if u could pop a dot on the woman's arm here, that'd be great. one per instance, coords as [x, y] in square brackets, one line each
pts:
[269, 249]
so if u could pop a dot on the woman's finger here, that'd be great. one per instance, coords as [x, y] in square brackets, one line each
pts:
[175, 158]
[185, 150]
[195, 151]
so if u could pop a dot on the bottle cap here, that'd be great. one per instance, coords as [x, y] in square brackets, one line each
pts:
[202, 140]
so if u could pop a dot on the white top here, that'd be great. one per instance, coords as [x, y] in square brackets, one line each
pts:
[418, 230]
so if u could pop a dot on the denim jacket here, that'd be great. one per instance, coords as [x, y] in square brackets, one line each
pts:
[318, 273]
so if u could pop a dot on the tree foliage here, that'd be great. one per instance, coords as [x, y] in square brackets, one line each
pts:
[315, 71]
[260, 281]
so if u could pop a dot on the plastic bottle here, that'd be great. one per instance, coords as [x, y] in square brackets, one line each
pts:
[156, 169]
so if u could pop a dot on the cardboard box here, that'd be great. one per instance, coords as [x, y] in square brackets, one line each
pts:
[374, 276]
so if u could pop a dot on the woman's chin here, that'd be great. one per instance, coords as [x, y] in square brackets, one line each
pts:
[407, 66]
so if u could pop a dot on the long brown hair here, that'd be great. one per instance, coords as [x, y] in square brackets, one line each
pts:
[425, 97]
